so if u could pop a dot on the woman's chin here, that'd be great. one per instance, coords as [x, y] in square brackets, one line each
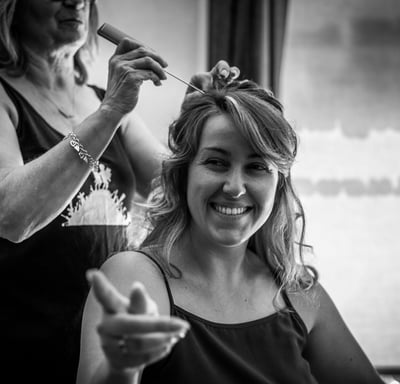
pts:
[229, 240]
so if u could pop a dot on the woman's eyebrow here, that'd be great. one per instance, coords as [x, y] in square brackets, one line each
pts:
[225, 152]
[216, 149]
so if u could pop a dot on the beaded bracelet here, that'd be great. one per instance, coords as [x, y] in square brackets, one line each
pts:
[82, 152]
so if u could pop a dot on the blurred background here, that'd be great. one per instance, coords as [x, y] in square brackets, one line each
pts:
[335, 65]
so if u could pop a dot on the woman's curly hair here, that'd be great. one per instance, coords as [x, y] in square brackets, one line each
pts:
[258, 116]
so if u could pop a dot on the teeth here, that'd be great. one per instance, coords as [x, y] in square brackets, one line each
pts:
[229, 211]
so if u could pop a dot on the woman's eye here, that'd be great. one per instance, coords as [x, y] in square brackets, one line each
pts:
[260, 167]
[215, 162]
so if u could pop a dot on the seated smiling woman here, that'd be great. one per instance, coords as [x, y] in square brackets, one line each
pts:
[221, 293]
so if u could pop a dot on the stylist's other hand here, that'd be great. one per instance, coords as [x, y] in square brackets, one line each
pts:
[130, 65]
[221, 74]
[132, 332]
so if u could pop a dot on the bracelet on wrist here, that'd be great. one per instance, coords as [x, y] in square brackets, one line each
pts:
[82, 152]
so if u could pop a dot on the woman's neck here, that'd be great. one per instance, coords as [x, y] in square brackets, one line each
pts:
[211, 262]
[51, 70]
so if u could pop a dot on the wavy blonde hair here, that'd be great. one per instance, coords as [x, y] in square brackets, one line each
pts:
[12, 55]
[258, 115]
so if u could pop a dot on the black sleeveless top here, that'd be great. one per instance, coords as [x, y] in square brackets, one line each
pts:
[263, 351]
[42, 279]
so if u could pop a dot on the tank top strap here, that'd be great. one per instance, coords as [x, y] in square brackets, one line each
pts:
[12, 93]
[293, 313]
[287, 301]
[164, 275]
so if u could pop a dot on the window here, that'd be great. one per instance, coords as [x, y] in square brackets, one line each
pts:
[341, 91]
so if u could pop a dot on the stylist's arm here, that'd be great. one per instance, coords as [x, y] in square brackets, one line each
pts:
[56, 176]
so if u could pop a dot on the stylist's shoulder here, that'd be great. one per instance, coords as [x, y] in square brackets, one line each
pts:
[125, 268]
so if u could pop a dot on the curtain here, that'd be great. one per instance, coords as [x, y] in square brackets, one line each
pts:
[276, 13]
[250, 35]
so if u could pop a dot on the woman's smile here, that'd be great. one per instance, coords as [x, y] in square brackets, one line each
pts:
[225, 210]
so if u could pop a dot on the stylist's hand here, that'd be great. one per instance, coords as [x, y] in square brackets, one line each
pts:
[132, 332]
[130, 65]
[221, 74]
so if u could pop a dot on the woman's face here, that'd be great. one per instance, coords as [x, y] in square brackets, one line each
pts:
[49, 24]
[231, 189]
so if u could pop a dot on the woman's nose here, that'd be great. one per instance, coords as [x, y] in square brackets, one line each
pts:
[78, 4]
[234, 184]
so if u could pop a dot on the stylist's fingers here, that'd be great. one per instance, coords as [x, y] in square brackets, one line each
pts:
[129, 66]
[140, 301]
[129, 46]
[221, 69]
[127, 71]
[234, 73]
[223, 73]
[220, 75]
[146, 63]
[139, 76]
[106, 294]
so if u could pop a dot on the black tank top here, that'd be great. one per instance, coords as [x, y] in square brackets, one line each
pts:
[42, 279]
[263, 351]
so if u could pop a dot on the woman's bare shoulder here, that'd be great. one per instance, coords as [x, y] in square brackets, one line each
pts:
[124, 268]
[308, 303]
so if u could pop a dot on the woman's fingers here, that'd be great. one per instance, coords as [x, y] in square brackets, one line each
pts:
[106, 294]
[125, 323]
[132, 333]
[122, 354]
[150, 341]
[146, 343]
[140, 301]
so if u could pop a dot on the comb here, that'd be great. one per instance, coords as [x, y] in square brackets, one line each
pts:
[114, 35]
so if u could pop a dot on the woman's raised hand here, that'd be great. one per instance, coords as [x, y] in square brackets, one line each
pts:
[132, 332]
[130, 65]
